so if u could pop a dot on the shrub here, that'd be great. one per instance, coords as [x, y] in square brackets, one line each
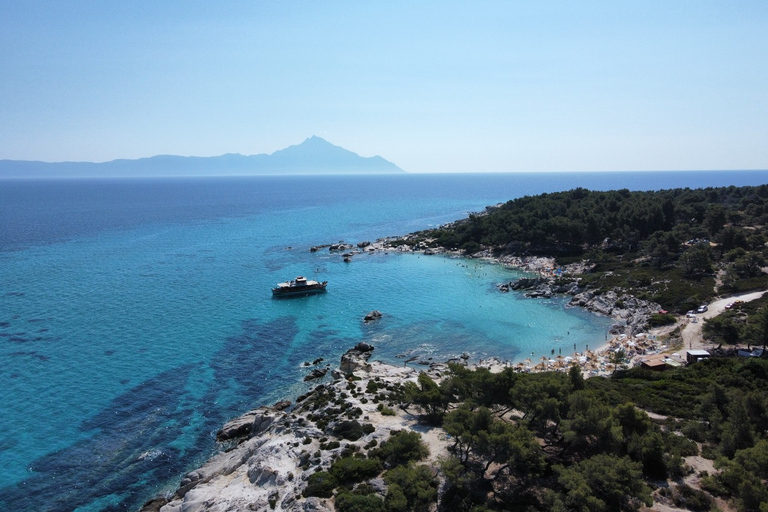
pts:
[320, 485]
[351, 430]
[329, 446]
[401, 448]
[692, 499]
[410, 488]
[659, 319]
[354, 469]
[353, 502]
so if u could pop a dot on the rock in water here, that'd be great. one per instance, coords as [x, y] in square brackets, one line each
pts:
[373, 315]
[316, 374]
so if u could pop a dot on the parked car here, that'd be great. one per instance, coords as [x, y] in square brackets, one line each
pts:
[702, 309]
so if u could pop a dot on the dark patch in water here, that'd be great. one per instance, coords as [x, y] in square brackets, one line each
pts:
[116, 459]
[124, 381]
[109, 352]
[32, 354]
[35, 320]
[7, 444]
[134, 440]
[258, 347]
[5, 324]
[9, 334]
[14, 294]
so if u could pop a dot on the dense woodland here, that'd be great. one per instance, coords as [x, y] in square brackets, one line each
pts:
[553, 441]
[556, 442]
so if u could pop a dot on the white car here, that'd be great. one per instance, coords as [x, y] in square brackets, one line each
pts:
[702, 309]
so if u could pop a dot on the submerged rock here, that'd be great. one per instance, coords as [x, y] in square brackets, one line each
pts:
[316, 374]
[372, 316]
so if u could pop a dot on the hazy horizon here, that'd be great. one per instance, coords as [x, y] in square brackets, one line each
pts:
[431, 87]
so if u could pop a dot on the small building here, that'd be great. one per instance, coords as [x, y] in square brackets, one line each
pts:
[654, 363]
[691, 356]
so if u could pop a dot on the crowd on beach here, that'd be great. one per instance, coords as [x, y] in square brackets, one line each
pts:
[621, 351]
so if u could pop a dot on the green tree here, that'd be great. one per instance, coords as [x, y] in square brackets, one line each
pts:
[415, 484]
[321, 484]
[351, 502]
[602, 483]
[696, 260]
[402, 447]
[589, 426]
[427, 395]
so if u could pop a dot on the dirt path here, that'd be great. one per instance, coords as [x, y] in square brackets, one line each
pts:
[691, 332]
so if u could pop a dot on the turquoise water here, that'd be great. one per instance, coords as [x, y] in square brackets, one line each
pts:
[136, 316]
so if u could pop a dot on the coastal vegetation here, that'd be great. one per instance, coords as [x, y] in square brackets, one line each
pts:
[554, 441]
[678, 248]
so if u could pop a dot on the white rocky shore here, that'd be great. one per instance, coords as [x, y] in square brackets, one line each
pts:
[276, 449]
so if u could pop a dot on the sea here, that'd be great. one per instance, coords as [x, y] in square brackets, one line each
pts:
[136, 315]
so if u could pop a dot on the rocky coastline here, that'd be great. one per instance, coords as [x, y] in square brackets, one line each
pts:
[272, 450]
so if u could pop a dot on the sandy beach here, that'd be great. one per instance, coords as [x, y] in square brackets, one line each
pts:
[640, 347]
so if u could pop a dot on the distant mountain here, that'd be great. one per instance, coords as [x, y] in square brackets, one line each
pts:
[313, 156]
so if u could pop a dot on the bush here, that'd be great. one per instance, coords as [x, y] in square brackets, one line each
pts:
[385, 411]
[402, 447]
[354, 470]
[352, 502]
[351, 430]
[410, 488]
[692, 499]
[320, 485]
[329, 446]
[659, 319]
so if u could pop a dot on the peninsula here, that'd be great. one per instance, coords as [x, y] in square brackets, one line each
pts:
[313, 156]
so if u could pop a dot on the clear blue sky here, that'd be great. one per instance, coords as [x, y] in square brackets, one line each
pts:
[431, 86]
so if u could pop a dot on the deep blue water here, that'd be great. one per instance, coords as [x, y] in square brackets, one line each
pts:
[136, 316]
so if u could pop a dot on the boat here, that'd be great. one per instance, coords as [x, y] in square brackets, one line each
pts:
[299, 286]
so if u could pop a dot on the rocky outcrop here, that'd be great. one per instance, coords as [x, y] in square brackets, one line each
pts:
[632, 313]
[270, 467]
[237, 427]
[315, 374]
[356, 359]
[341, 246]
[249, 423]
[372, 316]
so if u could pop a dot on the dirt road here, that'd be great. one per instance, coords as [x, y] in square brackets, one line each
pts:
[691, 333]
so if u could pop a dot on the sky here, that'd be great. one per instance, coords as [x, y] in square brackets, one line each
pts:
[479, 86]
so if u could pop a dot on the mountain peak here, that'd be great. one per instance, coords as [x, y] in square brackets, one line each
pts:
[313, 156]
